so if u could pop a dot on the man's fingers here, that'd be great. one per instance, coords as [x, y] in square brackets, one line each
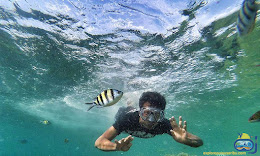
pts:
[128, 139]
[124, 144]
[185, 125]
[180, 121]
[118, 142]
[184, 132]
[172, 132]
[173, 122]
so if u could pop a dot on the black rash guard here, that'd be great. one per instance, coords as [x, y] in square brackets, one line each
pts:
[128, 121]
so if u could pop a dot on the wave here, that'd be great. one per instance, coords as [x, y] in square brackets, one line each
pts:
[54, 57]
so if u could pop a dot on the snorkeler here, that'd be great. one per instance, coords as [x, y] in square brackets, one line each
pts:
[145, 123]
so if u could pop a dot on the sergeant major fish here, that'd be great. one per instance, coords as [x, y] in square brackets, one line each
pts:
[246, 17]
[107, 98]
[255, 117]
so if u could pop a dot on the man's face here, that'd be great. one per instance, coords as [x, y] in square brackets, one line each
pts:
[145, 123]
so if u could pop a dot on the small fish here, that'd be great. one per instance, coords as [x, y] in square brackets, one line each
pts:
[255, 117]
[193, 6]
[45, 122]
[23, 141]
[66, 140]
[107, 98]
[246, 17]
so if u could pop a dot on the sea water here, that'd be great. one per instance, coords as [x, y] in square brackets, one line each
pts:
[58, 54]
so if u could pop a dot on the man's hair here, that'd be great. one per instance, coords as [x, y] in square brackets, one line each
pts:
[154, 98]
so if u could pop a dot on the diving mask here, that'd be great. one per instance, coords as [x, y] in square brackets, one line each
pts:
[151, 114]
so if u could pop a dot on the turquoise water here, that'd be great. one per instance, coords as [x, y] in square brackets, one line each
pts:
[56, 55]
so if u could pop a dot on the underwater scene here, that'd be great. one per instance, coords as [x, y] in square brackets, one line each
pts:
[57, 55]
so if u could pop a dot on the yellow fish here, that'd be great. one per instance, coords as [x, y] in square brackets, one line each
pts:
[45, 122]
[107, 98]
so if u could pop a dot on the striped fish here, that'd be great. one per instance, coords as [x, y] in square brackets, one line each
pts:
[107, 98]
[255, 117]
[246, 17]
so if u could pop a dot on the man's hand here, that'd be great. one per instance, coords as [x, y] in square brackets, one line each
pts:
[179, 132]
[124, 144]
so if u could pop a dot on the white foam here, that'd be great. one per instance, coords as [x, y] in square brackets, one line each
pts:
[59, 113]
